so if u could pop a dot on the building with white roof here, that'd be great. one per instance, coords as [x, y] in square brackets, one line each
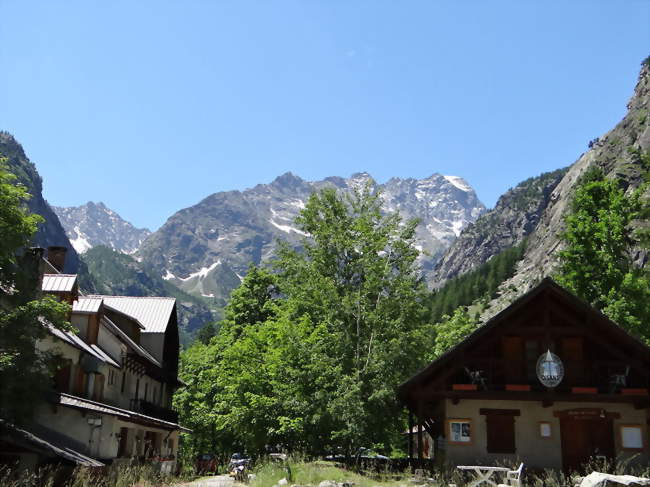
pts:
[114, 389]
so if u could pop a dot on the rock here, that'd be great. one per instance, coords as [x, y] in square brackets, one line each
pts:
[283, 482]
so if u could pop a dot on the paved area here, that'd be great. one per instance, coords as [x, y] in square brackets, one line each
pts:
[216, 481]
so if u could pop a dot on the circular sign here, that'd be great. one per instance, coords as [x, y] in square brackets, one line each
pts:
[550, 370]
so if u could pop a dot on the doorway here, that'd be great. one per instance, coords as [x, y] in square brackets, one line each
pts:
[585, 437]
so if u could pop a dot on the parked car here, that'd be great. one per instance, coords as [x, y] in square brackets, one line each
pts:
[206, 463]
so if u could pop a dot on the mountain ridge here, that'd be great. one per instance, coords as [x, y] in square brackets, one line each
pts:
[206, 248]
[93, 224]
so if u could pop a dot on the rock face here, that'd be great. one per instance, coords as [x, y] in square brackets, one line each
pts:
[50, 232]
[115, 273]
[616, 153]
[94, 224]
[206, 249]
[514, 217]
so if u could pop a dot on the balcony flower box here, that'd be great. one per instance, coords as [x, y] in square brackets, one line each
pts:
[518, 387]
[584, 390]
[634, 392]
[464, 387]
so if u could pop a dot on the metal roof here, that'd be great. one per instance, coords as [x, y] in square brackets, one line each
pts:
[75, 341]
[123, 414]
[125, 338]
[153, 313]
[39, 443]
[58, 282]
[86, 304]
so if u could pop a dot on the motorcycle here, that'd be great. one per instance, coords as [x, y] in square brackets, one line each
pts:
[238, 467]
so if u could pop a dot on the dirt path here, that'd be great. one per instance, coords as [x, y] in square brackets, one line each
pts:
[216, 481]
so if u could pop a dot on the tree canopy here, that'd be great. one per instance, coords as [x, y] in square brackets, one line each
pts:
[309, 356]
[24, 372]
[596, 263]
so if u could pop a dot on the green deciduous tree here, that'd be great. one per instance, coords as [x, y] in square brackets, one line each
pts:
[310, 356]
[596, 263]
[24, 371]
[451, 330]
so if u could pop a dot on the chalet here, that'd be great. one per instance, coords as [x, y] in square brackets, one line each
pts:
[112, 393]
[549, 381]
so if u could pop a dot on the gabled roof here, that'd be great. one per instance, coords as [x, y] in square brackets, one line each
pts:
[154, 313]
[140, 351]
[86, 305]
[600, 320]
[74, 340]
[58, 282]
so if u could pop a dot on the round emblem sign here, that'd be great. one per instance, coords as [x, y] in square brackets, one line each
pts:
[550, 370]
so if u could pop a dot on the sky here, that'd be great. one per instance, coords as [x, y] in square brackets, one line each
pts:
[150, 106]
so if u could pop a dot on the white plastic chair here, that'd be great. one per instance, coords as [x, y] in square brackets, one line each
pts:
[513, 477]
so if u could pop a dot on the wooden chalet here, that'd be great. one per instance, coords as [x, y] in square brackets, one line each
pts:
[549, 381]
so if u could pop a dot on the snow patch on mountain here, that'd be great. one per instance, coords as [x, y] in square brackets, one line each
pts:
[460, 183]
[287, 228]
[202, 273]
[80, 243]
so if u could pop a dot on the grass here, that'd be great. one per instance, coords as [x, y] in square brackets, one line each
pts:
[313, 473]
[129, 476]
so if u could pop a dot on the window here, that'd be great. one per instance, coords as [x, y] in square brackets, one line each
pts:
[631, 436]
[459, 431]
[123, 381]
[545, 430]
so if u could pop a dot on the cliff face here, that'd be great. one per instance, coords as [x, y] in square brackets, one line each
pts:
[616, 153]
[50, 232]
[516, 214]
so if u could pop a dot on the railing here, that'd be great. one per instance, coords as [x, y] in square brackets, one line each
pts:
[496, 373]
[150, 409]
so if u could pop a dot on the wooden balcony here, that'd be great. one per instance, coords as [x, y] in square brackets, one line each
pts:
[583, 376]
[150, 409]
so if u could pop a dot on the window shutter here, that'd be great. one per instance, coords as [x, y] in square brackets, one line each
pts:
[500, 433]
[98, 393]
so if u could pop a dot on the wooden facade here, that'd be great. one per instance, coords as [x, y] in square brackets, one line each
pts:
[483, 400]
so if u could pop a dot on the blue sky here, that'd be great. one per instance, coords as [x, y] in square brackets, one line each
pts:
[150, 106]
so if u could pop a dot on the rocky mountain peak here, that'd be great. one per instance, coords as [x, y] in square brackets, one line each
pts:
[94, 224]
[207, 248]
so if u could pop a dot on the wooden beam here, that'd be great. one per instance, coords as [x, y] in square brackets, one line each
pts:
[499, 412]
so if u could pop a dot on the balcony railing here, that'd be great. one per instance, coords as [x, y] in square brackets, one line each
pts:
[496, 373]
[150, 409]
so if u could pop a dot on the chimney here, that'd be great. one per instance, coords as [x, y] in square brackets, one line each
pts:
[56, 257]
[31, 262]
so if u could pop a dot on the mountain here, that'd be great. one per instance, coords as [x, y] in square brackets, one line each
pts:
[617, 153]
[94, 224]
[50, 232]
[513, 218]
[206, 249]
[119, 274]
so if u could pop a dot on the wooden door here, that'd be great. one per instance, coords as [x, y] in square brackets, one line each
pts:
[585, 438]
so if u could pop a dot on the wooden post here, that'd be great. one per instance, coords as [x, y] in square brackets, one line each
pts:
[410, 440]
[420, 442]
